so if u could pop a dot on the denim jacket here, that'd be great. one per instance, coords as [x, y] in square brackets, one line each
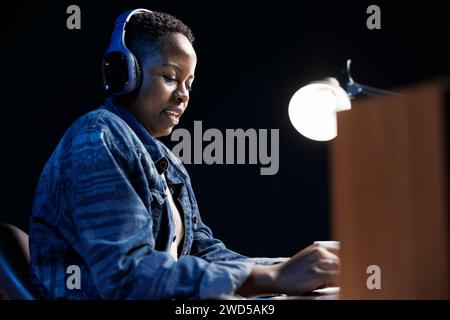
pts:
[101, 227]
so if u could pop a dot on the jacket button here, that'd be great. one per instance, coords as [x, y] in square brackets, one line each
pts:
[163, 164]
[196, 219]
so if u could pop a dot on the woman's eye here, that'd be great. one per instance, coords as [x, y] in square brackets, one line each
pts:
[169, 79]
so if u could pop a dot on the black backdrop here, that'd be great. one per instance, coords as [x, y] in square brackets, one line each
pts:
[252, 57]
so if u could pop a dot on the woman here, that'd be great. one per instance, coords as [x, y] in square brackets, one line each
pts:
[115, 215]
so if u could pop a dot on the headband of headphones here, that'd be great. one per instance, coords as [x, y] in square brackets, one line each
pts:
[120, 69]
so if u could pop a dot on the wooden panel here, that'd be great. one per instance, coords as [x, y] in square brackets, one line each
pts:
[389, 195]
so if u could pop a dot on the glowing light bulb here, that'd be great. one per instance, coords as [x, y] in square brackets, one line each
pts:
[312, 109]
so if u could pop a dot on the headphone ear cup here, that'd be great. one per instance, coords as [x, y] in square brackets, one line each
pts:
[138, 73]
[114, 72]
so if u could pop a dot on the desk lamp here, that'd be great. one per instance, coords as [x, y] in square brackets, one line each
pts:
[312, 109]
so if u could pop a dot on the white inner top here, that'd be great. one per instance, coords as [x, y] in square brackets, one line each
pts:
[179, 226]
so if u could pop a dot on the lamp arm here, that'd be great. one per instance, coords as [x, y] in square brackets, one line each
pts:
[354, 88]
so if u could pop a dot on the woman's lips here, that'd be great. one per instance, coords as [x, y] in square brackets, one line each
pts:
[174, 116]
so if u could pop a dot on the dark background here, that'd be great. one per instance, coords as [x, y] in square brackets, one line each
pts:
[252, 57]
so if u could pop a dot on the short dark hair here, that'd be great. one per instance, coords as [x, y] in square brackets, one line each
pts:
[146, 32]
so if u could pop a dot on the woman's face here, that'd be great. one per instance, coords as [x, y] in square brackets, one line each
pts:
[167, 78]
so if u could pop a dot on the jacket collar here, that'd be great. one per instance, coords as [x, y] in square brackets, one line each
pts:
[147, 139]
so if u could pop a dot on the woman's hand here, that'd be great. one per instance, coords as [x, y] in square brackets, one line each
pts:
[312, 268]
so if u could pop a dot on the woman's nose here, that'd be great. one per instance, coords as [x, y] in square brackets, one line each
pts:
[182, 96]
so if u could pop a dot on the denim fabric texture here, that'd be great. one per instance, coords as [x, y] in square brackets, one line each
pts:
[100, 205]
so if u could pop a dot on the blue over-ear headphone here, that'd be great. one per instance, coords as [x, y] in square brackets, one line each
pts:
[120, 69]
